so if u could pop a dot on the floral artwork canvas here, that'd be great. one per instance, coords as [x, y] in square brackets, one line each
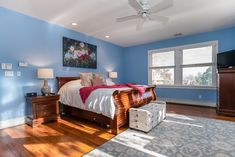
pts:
[79, 54]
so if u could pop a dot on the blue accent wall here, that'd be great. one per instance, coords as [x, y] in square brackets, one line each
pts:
[136, 63]
[23, 38]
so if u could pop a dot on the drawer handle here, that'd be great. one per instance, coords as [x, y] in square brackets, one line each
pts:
[45, 113]
[44, 106]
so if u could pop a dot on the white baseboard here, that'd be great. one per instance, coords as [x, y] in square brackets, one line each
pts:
[12, 122]
[188, 102]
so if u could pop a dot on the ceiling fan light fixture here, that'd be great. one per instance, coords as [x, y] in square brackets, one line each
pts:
[146, 12]
[144, 15]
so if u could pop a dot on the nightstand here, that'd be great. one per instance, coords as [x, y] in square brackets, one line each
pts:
[44, 109]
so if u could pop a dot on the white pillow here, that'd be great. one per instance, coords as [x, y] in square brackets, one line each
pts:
[109, 82]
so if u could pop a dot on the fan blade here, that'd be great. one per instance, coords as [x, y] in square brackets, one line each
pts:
[135, 4]
[162, 19]
[140, 24]
[164, 4]
[126, 18]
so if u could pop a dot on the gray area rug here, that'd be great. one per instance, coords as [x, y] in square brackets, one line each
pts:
[177, 136]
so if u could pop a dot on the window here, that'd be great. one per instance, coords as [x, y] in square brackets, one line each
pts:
[163, 68]
[189, 65]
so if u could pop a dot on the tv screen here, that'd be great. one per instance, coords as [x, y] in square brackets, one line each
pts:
[226, 59]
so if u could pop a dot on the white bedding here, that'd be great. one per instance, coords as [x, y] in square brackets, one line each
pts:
[99, 101]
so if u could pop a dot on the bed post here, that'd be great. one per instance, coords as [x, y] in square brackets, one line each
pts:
[114, 126]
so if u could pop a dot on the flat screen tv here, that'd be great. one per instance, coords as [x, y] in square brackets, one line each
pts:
[226, 59]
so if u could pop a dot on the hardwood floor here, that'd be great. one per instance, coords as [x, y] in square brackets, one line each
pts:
[207, 112]
[66, 138]
[71, 137]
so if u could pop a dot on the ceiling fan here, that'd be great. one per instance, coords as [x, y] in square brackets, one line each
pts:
[146, 12]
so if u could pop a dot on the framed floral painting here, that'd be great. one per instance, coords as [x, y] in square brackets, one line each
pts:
[79, 54]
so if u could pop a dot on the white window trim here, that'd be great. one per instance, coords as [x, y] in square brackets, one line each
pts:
[178, 65]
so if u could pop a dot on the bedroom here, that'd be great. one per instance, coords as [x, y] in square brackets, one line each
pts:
[31, 33]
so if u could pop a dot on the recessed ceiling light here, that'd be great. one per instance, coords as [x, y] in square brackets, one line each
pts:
[107, 36]
[74, 24]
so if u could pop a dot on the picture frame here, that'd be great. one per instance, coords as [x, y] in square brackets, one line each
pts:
[79, 54]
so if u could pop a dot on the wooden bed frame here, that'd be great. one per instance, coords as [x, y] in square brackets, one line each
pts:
[123, 99]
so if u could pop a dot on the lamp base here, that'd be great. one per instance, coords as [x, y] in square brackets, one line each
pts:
[46, 90]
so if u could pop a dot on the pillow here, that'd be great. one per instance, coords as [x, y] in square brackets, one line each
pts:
[109, 82]
[97, 81]
[86, 79]
[101, 76]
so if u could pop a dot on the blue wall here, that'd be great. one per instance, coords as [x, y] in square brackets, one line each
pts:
[23, 38]
[136, 63]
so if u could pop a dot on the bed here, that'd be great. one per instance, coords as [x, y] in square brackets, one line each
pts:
[123, 99]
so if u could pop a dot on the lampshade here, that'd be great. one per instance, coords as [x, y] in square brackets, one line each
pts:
[45, 73]
[113, 74]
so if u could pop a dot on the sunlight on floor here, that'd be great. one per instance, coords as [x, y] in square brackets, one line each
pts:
[182, 123]
[140, 139]
[90, 130]
[101, 154]
[177, 116]
[16, 134]
[139, 147]
[59, 149]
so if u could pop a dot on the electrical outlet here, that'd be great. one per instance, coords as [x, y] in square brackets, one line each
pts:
[18, 73]
[9, 73]
[23, 64]
[6, 66]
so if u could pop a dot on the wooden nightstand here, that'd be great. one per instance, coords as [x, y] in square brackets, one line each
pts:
[44, 109]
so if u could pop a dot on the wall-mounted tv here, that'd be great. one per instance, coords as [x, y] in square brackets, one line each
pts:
[226, 59]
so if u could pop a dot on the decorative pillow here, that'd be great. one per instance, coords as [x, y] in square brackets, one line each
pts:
[101, 76]
[97, 81]
[86, 79]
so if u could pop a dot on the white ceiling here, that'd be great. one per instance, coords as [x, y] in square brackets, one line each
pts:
[97, 17]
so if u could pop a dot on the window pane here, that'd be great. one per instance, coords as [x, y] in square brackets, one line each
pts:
[163, 59]
[197, 55]
[163, 76]
[201, 76]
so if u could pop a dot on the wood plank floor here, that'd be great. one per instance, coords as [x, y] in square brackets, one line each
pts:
[207, 112]
[71, 137]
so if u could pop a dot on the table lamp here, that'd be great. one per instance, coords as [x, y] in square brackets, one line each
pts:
[45, 73]
[113, 75]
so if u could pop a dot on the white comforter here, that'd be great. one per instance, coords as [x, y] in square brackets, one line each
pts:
[99, 101]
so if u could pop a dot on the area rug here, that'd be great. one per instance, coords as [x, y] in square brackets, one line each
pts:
[177, 136]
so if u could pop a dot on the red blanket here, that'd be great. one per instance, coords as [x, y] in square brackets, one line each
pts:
[86, 91]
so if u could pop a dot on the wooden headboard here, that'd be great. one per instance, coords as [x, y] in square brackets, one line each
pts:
[62, 80]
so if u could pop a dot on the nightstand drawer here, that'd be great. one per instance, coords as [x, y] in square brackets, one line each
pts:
[50, 106]
[43, 114]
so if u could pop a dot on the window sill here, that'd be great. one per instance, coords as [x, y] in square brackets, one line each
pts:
[187, 87]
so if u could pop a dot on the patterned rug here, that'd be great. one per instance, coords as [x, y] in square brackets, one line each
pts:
[177, 136]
